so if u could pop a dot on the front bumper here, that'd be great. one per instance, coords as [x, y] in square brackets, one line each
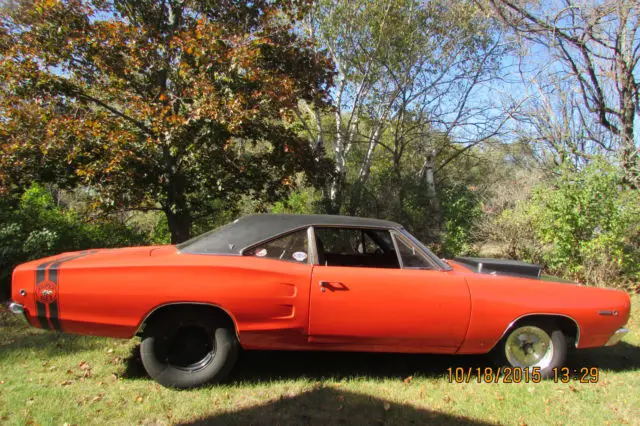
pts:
[15, 308]
[617, 336]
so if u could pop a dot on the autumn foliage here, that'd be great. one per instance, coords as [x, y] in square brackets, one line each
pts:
[167, 105]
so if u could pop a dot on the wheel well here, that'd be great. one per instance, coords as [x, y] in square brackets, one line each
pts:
[567, 325]
[176, 309]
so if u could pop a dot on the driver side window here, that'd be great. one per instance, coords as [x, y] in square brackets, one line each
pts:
[356, 247]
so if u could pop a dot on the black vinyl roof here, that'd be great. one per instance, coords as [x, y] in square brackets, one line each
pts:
[233, 237]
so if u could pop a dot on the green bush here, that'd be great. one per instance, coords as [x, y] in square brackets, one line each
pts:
[461, 211]
[585, 226]
[36, 227]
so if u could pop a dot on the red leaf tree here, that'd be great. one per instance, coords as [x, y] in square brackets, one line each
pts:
[166, 105]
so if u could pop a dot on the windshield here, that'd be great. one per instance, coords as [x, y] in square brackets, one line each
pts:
[433, 257]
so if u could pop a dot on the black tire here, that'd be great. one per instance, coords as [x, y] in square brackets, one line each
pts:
[509, 353]
[188, 347]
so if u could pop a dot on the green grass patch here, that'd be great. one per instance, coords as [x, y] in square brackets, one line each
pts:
[53, 379]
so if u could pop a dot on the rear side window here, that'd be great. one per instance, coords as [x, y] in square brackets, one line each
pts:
[291, 248]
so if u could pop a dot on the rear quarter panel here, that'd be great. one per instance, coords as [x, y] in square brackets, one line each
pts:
[111, 296]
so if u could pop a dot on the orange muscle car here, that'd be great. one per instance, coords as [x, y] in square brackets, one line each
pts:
[312, 282]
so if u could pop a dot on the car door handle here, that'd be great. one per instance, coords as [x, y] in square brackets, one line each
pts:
[333, 286]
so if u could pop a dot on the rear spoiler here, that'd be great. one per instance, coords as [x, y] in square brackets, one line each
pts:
[512, 268]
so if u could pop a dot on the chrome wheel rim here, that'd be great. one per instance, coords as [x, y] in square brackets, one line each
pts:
[528, 347]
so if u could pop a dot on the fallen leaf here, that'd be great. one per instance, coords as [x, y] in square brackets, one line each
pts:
[139, 399]
[446, 398]
[84, 365]
[408, 380]
[573, 388]
[69, 371]
[66, 383]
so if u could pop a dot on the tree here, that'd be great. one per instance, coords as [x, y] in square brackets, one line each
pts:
[403, 66]
[169, 105]
[598, 46]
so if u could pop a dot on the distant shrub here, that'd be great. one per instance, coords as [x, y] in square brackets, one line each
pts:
[461, 211]
[585, 226]
[36, 227]
[303, 200]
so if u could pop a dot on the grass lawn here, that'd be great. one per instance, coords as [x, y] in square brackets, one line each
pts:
[48, 378]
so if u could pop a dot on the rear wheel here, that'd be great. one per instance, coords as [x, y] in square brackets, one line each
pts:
[188, 349]
[533, 345]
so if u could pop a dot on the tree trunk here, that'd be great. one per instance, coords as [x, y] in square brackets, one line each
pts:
[629, 151]
[175, 208]
[427, 175]
[178, 215]
[179, 225]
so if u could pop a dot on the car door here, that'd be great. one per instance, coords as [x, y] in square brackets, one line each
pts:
[384, 307]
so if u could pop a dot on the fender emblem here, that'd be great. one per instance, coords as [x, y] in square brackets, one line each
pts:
[46, 292]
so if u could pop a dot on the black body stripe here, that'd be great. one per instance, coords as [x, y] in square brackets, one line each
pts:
[41, 308]
[42, 315]
[53, 270]
[40, 271]
[53, 316]
[49, 320]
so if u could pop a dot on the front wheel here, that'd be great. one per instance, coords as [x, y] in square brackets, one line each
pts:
[186, 351]
[533, 345]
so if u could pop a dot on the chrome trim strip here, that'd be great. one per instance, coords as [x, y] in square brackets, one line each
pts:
[313, 247]
[394, 236]
[533, 315]
[146, 317]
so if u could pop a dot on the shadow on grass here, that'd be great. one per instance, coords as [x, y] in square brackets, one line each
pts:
[620, 357]
[47, 344]
[325, 406]
[18, 338]
[266, 366]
